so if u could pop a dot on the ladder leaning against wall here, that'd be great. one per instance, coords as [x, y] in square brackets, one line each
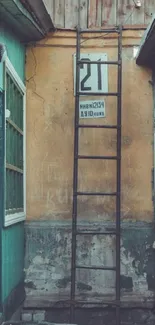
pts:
[74, 303]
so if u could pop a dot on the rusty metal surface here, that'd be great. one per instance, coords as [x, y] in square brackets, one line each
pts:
[99, 13]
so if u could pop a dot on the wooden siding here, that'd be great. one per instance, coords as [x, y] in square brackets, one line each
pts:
[99, 13]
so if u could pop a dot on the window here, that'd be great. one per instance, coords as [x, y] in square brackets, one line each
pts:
[15, 194]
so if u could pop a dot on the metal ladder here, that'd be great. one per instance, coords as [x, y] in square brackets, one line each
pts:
[76, 193]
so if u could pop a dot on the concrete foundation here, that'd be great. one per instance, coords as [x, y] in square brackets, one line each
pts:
[48, 257]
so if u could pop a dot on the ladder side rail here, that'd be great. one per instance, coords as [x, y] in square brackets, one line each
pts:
[118, 199]
[75, 183]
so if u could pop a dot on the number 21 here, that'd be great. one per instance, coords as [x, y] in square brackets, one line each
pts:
[88, 75]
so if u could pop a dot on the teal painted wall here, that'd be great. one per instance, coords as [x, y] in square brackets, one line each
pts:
[15, 50]
[12, 258]
[12, 237]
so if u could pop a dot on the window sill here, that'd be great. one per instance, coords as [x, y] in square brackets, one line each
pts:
[11, 219]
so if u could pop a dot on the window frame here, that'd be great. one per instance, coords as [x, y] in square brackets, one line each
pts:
[10, 219]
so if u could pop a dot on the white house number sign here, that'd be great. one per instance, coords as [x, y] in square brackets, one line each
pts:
[93, 77]
[92, 109]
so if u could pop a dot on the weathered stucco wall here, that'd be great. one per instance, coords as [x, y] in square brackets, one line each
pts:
[50, 121]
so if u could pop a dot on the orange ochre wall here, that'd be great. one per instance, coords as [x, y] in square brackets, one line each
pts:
[50, 133]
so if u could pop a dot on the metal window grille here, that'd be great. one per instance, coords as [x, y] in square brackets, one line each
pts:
[14, 202]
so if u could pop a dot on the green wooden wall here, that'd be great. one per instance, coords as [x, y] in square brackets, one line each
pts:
[12, 248]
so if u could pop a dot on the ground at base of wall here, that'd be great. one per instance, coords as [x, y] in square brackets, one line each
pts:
[90, 316]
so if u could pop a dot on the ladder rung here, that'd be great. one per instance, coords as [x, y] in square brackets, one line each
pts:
[93, 267]
[99, 62]
[98, 157]
[110, 31]
[105, 233]
[96, 193]
[85, 93]
[110, 303]
[95, 126]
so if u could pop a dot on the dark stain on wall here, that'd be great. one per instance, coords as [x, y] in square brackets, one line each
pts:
[84, 287]
[30, 285]
[62, 283]
[126, 283]
[141, 247]
[151, 282]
